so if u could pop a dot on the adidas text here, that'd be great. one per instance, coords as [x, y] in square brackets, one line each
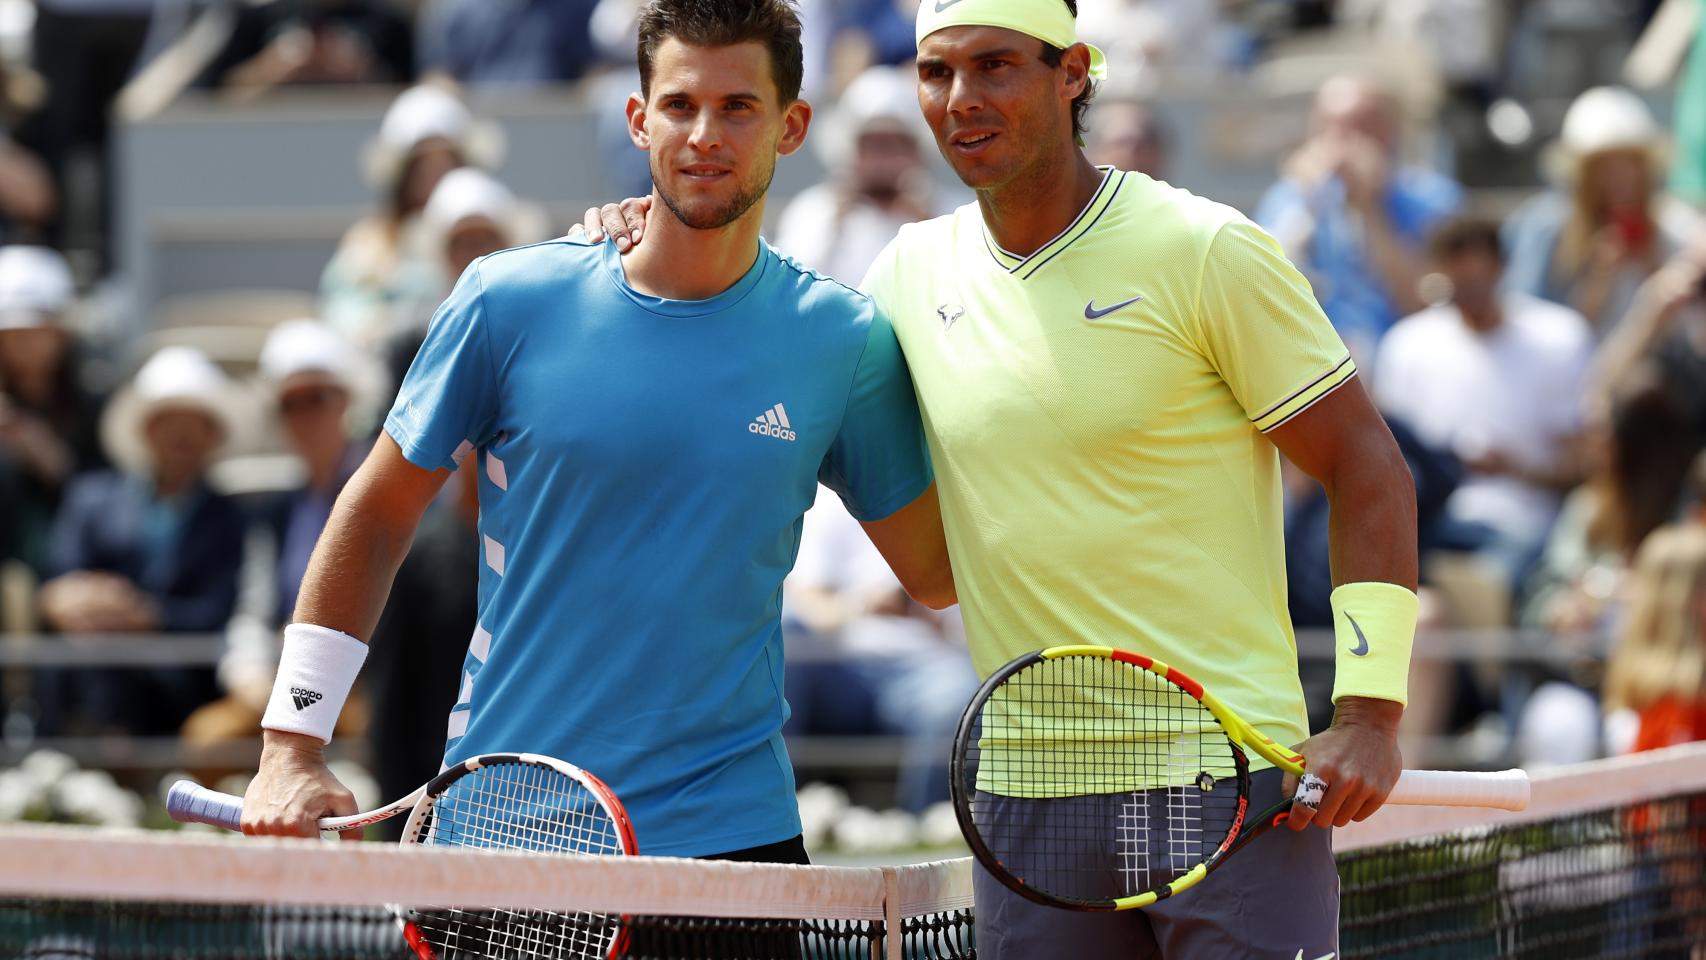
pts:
[766, 430]
[304, 698]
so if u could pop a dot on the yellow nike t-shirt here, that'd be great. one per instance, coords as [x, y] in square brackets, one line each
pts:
[1095, 412]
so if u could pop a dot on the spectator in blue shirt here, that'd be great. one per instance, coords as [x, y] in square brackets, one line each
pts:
[1355, 219]
[517, 43]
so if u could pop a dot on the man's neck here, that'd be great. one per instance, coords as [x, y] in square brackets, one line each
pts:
[677, 262]
[1483, 318]
[1027, 212]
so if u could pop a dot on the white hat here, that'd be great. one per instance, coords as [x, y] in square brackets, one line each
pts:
[468, 192]
[35, 285]
[310, 346]
[423, 113]
[305, 346]
[173, 378]
[1602, 119]
[880, 95]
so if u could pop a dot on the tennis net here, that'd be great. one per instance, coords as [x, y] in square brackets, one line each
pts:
[1609, 860]
[72, 893]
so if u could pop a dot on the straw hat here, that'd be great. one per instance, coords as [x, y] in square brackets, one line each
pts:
[35, 286]
[881, 97]
[174, 378]
[308, 346]
[1604, 119]
[422, 113]
[468, 192]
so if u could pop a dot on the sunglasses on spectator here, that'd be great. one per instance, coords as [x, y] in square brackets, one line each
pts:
[309, 400]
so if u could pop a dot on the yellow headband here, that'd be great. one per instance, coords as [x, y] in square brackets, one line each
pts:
[1048, 20]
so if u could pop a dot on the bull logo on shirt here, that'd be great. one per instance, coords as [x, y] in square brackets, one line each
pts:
[950, 315]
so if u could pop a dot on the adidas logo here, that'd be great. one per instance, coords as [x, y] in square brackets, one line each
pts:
[773, 423]
[304, 697]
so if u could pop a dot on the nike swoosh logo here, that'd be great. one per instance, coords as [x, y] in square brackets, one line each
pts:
[1090, 311]
[943, 5]
[1329, 956]
[1361, 649]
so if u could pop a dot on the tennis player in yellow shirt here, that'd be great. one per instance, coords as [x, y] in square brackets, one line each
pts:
[1109, 370]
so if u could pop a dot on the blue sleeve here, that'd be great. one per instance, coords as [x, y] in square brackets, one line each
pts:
[878, 462]
[448, 402]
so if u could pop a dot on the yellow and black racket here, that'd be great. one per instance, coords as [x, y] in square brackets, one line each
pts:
[1100, 779]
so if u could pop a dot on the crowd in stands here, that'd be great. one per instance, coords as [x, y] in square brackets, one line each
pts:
[1541, 357]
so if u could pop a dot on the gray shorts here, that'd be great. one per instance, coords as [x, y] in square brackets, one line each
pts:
[1278, 898]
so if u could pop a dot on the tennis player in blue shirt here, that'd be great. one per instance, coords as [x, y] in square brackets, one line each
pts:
[649, 428]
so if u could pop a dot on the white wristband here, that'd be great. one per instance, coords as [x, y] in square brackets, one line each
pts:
[315, 673]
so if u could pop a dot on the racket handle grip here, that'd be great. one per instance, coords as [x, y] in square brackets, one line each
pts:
[1503, 790]
[190, 802]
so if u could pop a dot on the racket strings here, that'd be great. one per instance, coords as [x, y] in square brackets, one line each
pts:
[1093, 779]
[519, 806]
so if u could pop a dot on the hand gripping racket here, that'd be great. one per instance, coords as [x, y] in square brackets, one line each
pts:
[1098, 779]
[494, 801]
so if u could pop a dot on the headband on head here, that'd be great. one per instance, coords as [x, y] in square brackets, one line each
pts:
[1047, 20]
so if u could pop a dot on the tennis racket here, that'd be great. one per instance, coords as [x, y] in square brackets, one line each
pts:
[1099, 779]
[494, 801]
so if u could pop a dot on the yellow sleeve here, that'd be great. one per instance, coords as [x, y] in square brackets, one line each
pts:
[1260, 326]
[880, 278]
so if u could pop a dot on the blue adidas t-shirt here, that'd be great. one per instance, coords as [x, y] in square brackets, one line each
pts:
[644, 465]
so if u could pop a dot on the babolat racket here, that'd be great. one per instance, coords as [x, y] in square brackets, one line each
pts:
[494, 801]
[1099, 779]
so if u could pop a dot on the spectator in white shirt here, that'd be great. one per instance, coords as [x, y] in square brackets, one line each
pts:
[1496, 378]
[874, 146]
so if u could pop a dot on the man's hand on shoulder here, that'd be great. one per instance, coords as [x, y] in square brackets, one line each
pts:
[626, 221]
[1357, 756]
[294, 789]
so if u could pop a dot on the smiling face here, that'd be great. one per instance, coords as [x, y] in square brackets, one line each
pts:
[997, 109]
[714, 124]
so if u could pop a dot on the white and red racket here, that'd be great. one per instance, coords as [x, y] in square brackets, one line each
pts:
[493, 801]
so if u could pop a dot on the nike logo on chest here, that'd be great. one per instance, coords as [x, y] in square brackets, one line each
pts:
[1092, 312]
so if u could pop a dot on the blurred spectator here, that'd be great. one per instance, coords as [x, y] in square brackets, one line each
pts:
[1463, 39]
[275, 43]
[48, 416]
[414, 667]
[1672, 50]
[864, 658]
[469, 215]
[426, 134]
[1352, 217]
[483, 43]
[1129, 135]
[319, 383]
[1153, 39]
[865, 34]
[85, 50]
[1666, 325]
[28, 198]
[874, 146]
[1641, 455]
[150, 548]
[1589, 243]
[1496, 378]
[1658, 667]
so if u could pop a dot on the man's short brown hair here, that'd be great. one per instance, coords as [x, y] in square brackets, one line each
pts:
[726, 23]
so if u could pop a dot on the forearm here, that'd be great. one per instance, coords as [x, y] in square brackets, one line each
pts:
[1629, 341]
[1372, 520]
[353, 565]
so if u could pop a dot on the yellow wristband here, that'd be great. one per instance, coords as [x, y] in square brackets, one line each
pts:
[1374, 626]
